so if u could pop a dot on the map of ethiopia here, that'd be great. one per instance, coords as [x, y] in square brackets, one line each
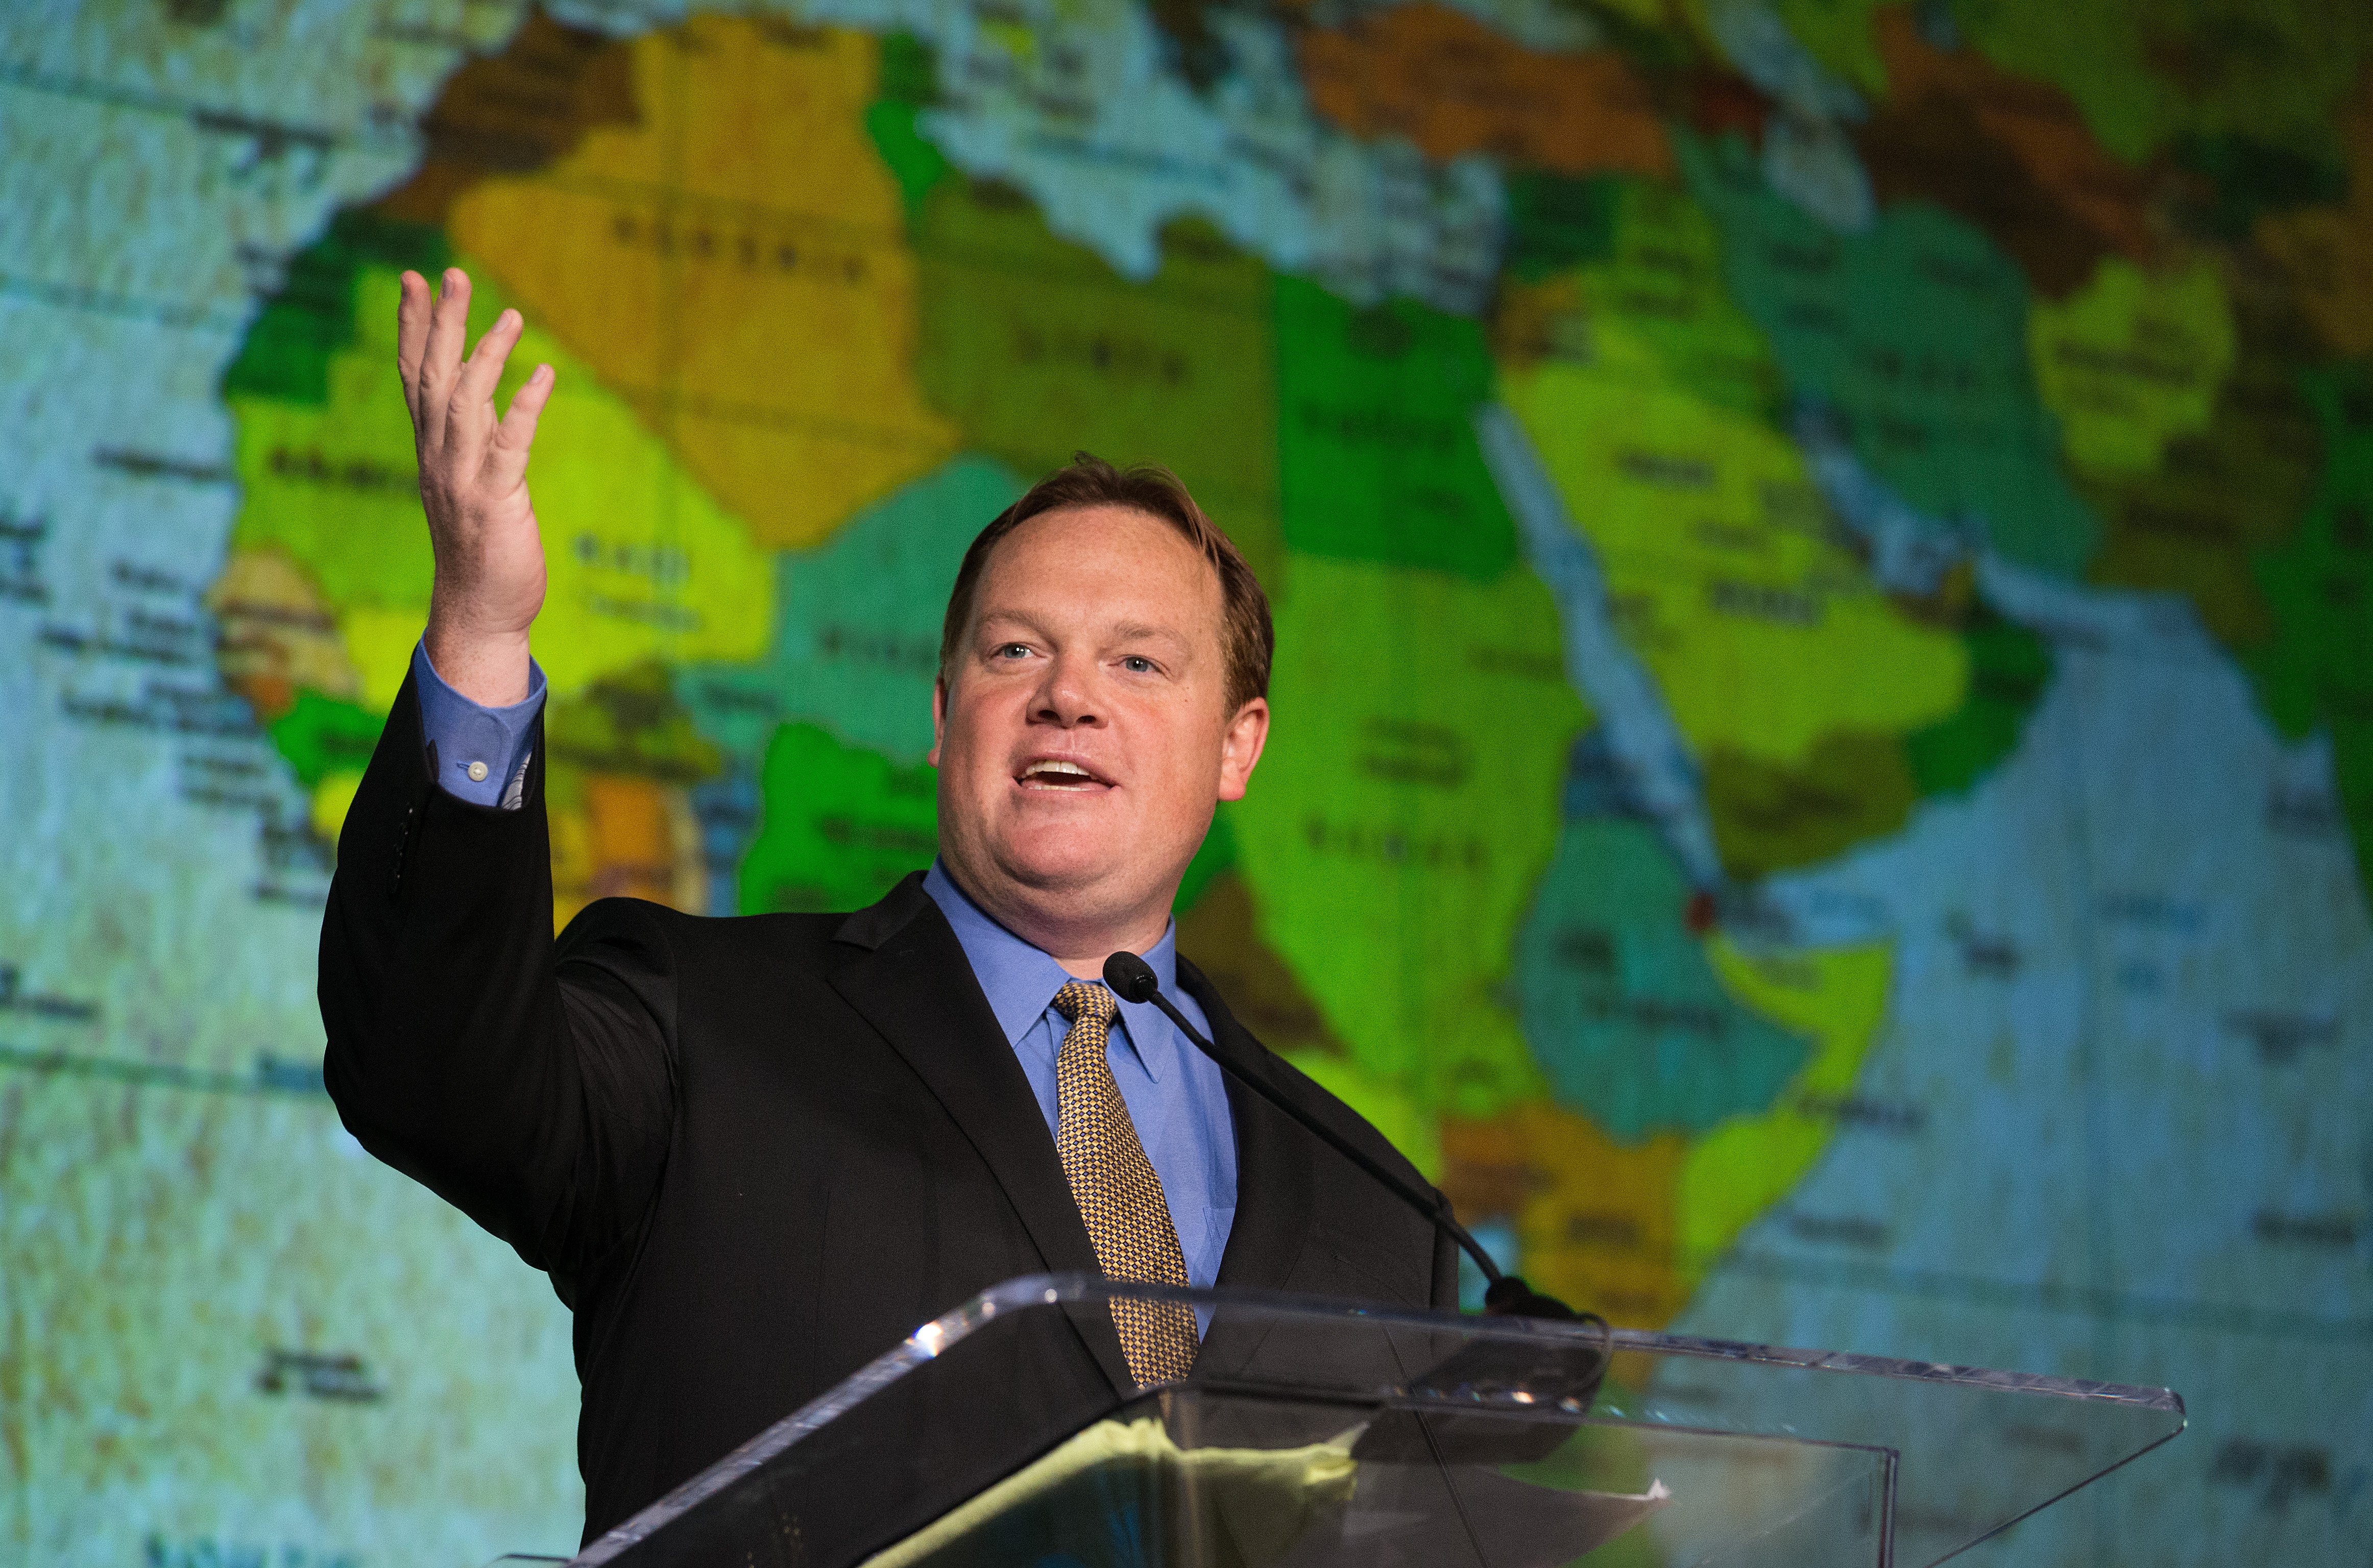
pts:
[1823, 560]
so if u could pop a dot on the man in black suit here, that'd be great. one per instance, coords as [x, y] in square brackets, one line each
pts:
[752, 1154]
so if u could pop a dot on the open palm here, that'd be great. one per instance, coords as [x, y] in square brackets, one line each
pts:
[473, 486]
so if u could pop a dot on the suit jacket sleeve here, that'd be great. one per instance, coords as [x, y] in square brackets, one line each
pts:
[528, 1082]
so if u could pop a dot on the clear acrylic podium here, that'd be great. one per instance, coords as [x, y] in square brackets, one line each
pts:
[1317, 1433]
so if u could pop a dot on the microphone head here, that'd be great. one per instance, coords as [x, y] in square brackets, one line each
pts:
[1132, 977]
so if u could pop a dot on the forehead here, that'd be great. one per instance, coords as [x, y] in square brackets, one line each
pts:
[1081, 557]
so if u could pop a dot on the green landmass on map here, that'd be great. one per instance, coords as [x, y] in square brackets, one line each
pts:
[841, 826]
[2148, 75]
[2241, 179]
[1770, 817]
[1378, 459]
[1914, 332]
[1038, 349]
[1405, 806]
[2009, 668]
[909, 86]
[1556, 221]
[320, 736]
[1839, 34]
[2318, 675]
[287, 352]
[2230, 492]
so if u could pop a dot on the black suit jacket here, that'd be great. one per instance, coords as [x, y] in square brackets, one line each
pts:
[755, 1152]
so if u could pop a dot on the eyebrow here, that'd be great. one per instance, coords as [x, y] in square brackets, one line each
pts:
[1129, 629]
[1125, 631]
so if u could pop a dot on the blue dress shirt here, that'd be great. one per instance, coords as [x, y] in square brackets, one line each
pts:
[1175, 1095]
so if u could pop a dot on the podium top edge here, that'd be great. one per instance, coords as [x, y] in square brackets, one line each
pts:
[1030, 1291]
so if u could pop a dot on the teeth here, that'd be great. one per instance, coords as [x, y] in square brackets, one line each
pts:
[1070, 769]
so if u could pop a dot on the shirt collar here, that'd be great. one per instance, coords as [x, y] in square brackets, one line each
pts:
[1020, 979]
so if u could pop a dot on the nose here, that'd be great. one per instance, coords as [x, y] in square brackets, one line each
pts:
[1065, 696]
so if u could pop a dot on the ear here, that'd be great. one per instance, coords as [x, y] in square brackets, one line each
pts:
[1240, 748]
[938, 719]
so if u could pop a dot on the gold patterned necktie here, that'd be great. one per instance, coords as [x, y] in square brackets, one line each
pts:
[1117, 1192]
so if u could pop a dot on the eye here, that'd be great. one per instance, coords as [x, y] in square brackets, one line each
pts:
[1011, 651]
[1138, 664]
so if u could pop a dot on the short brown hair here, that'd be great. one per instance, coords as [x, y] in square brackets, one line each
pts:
[1246, 634]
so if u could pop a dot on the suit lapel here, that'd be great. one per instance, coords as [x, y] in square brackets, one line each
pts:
[909, 977]
[1273, 1183]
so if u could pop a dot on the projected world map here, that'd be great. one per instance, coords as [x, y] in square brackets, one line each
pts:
[1823, 774]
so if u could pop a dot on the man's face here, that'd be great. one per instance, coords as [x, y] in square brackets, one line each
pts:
[1084, 732]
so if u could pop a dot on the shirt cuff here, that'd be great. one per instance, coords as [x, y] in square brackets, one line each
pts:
[482, 752]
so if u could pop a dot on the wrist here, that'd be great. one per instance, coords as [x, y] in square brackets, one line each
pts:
[490, 668]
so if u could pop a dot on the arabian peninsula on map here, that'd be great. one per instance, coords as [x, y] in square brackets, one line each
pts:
[1822, 550]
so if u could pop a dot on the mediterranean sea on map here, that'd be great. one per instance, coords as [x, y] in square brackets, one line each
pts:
[1822, 552]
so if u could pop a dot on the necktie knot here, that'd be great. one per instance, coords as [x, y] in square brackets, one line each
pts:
[1084, 1002]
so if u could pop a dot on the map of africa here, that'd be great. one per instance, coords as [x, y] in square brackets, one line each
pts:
[1823, 774]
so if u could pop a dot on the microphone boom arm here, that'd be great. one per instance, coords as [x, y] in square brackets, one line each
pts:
[1505, 1295]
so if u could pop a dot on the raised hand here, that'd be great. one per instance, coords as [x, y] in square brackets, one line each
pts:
[474, 483]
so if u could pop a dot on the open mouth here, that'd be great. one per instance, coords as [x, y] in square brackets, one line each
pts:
[1056, 773]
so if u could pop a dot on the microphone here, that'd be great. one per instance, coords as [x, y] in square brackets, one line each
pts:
[1504, 1295]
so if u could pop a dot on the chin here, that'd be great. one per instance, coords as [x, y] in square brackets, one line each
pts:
[1059, 857]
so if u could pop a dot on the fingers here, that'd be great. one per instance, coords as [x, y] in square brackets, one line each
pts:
[516, 432]
[484, 365]
[440, 360]
[411, 337]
